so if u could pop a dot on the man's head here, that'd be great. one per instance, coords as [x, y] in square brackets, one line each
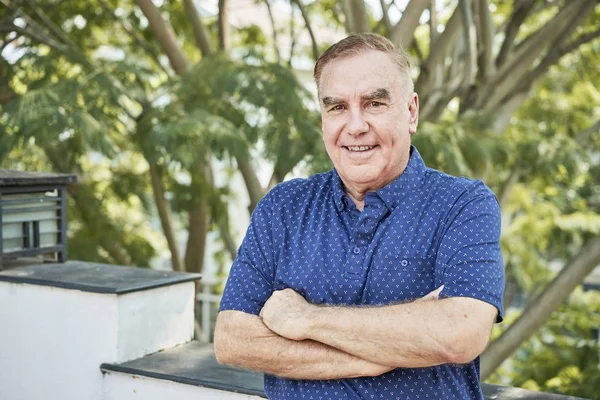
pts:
[362, 42]
[368, 111]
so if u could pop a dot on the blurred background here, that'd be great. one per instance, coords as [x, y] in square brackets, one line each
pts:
[177, 116]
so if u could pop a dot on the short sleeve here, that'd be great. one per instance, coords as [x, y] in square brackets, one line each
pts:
[469, 255]
[250, 281]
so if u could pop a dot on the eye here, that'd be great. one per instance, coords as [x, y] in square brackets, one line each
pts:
[375, 104]
[338, 107]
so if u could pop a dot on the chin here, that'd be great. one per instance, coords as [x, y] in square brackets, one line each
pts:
[364, 180]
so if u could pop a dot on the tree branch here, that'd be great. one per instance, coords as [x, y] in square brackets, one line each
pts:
[486, 29]
[583, 136]
[433, 23]
[356, 16]
[225, 234]
[136, 38]
[470, 41]
[275, 46]
[51, 25]
[315, 47]
[520, 12]
[438, 52]
[43, 36]
[158, 189]
[348, 17]
[553, 56]
[292, 33]
[201, 35]
[224, 28]
[541, 308]
[40, 38]
[199, 221]
[403, 32]
[418, 51]
[385, 19]
[509, 185]
[255, 189]
[165, 36]
[518, 64]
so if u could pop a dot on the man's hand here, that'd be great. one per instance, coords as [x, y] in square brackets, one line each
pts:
[284, 314]
[286, 311]
[434, 295]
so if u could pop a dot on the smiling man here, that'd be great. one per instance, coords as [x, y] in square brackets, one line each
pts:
[380, 279]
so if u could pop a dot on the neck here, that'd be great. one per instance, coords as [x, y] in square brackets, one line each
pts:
[357, 193]
[357, 198]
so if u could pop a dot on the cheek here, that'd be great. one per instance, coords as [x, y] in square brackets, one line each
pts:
[329, 131]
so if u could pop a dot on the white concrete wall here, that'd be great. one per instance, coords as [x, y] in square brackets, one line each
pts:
[120, 386]
[154, 320]
[53, 340]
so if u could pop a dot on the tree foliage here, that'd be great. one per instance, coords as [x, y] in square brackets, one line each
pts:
[150, 102]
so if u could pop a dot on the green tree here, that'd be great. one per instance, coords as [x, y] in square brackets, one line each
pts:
[507, 93]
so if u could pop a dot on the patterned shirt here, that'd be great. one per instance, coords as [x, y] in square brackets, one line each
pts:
[423, 230]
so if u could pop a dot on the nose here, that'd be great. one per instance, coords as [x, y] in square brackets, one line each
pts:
[357, 124]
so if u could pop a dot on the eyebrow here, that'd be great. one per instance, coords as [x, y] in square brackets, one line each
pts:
[329, 100]
[380, 93]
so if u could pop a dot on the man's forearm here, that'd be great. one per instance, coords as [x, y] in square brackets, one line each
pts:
[417, 334]
[243, 340]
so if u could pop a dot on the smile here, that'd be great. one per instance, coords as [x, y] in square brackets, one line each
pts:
[359, 148]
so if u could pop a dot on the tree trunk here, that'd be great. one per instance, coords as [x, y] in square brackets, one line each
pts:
[201, 34]
[541, 308]
[199, 219]
[486, 29]
[164, 213]
[224, 28]
[255, 189]
[403, 33]
[357, 20]
[225, 233]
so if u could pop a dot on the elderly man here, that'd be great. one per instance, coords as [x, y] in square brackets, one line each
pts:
[380, 279]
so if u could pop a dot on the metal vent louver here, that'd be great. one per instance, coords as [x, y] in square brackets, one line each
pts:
[33, 215]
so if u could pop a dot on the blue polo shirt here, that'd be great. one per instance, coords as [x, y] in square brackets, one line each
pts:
[423, 230]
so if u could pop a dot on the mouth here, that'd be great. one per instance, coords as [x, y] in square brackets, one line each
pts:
[359, 149]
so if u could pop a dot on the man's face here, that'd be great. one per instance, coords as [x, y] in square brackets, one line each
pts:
[368, 118]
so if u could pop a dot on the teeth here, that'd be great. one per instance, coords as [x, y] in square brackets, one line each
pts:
[359, 148]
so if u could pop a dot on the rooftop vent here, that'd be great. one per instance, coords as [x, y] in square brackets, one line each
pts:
[33, 215]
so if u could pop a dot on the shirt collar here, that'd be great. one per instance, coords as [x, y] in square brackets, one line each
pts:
[395, 191]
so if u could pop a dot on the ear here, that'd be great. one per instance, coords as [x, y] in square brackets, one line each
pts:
[413, 111]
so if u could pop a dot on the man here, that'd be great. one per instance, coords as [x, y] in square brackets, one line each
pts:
[380, 279]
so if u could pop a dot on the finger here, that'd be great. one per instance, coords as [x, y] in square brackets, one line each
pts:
[434, 295]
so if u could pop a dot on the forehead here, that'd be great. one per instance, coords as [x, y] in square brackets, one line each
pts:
[358, 74]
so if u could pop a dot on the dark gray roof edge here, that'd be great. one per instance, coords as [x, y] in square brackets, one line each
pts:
[179, 379]
[24, 178]
[98, 289]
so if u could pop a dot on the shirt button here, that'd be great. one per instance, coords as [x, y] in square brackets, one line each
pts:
[404, 263]
[356, 250]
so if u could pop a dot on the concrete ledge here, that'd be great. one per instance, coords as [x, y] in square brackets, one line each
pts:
[94, 277]
[195, 364]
